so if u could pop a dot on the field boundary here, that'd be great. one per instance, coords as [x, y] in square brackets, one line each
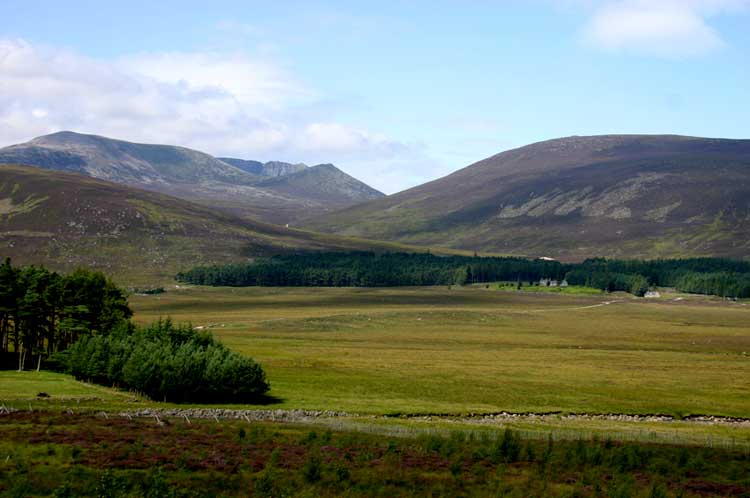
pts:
[282, 415]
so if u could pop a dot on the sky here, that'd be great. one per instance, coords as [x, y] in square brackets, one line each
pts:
[395, 93]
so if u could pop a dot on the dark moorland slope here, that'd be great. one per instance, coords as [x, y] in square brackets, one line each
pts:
[577, 197]
[66, 220]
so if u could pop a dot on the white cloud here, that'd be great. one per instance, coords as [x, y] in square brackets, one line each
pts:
[671, 28]
[333, 137]
[249, 81]
[222, 103]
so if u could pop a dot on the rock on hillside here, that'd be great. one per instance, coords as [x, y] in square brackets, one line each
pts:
[269, 169]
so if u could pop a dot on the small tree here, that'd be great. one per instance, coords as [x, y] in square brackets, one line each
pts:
[461, 275]
[639, 286]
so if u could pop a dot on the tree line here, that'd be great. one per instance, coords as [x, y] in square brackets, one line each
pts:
[366, 269]
[44, 312]
[723, 277]
[82, 321]
[166, 362]
[711, 276]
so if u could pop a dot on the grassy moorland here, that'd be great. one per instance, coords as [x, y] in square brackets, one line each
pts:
[377, 353]
[66, 221]
[59, 454]
[435, 350]
[571, 289]
[19, 391]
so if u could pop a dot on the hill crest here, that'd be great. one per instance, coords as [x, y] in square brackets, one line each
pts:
[230, 184]
[65, 220]
[577, 197]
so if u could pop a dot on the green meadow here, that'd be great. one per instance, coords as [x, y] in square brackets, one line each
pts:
[479, 350]
[414, 369]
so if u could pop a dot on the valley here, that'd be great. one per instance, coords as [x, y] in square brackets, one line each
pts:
[331, 249]
[487, 352]
[491, 350]
[561, 377]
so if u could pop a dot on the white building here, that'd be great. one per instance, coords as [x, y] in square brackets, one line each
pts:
[549, 282]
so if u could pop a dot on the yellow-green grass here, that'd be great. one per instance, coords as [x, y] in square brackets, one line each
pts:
[20, 389]
[435, 350]
[570, 289]
[559, 428]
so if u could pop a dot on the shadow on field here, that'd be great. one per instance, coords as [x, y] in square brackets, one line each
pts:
[266, 399]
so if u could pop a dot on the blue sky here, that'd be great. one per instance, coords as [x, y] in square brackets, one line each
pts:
[396, 93]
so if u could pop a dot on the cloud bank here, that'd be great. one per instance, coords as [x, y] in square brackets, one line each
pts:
[221, 103]
[669, 28]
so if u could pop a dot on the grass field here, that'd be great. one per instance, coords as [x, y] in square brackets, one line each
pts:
[435, 350]
[19, 391]
[571, 289]
[386, 356]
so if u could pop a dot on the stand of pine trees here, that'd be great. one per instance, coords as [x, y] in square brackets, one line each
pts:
[723, 277]
[710, 276]
[82, 321]
[42, 312]
[366, 269]
[167, 363]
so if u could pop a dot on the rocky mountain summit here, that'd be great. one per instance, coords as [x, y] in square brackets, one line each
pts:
[234, 185]
[269, 169]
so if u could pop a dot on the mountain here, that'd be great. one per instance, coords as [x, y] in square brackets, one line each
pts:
[315, 190]
[324, 183]
[280, 197]
[279, 168]
[231, 185]
[269, 169]
[123, 162]
[64, 220]
[576, 197]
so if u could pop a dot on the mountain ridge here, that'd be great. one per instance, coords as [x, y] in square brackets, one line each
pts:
[186, 173]
[130, 162]
[65, 220]
[576, 197]
[268, 169]
[323, 181]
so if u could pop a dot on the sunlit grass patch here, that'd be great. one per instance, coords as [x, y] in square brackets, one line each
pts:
[460, 350]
